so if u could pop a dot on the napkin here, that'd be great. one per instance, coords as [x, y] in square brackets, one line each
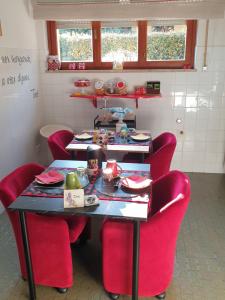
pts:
[50, 177]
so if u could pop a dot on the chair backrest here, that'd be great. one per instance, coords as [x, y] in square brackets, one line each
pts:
[158, 237]
[14, 184]
[43, 233]
[170, 198]
[163, 149]
[57, 143]
[169, 190]
[10, 188]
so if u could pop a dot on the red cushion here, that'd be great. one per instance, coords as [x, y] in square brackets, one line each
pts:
[57, 143]
[76, 226]
[158, 236]
[49, 236]
[160, 160]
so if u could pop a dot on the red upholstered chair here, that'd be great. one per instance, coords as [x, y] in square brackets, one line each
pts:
[49, 236]
[160, 160]
[57, 143]
[158, 237]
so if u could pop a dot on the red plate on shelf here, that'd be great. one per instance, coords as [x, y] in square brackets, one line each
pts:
[136, 182]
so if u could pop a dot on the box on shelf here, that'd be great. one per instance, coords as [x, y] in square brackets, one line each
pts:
[153, 87]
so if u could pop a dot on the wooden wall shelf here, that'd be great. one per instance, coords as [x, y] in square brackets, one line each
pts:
[94, 98]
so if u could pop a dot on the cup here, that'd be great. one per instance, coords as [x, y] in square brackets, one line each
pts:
[116, 169]
[107, 174]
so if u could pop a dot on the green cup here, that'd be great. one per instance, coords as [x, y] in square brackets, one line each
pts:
[72, 181]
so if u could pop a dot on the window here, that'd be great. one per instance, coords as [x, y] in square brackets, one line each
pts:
[139, 45]
[75, 42]
[119, 42]
[166, 41]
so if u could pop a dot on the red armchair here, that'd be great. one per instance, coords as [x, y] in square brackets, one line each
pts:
[158, 236]
[49, 236]
[160, 160]
[57, 143]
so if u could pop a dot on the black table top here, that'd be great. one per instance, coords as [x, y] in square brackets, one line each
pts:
[114, 209]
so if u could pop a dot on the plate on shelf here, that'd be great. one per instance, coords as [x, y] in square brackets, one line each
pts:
[83, 136]
[140, 137]
[135, 182]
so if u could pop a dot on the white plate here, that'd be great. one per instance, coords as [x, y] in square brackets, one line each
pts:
[136, 182]
[51, 183]
[83, 136]
[140, 137]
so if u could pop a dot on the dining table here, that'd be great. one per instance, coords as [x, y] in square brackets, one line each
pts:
[133, 207]
[117, 144]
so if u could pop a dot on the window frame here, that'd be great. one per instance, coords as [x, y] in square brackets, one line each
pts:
[142, 63]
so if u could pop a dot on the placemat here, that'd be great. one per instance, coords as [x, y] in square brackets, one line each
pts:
[51, 191]
[36, 190]
[116, 141]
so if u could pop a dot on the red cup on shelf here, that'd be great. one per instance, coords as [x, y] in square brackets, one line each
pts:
[140, 90]
[81, 66]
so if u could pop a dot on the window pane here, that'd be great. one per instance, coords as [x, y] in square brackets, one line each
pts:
[119, 43]
[75, 44]
[166, 42]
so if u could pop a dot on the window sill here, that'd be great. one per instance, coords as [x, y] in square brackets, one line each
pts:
[123, 71]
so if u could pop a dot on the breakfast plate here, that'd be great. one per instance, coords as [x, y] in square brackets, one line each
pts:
[135, 182]
[83, 136]
[140, 137]
[49, 178]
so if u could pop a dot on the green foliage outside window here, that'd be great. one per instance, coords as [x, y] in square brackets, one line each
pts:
[123, 45]
[77, 46]
[166, 47]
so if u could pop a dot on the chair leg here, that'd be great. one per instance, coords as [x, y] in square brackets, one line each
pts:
[62, 290]
[161, 296]
[113, 296]
[85, 235]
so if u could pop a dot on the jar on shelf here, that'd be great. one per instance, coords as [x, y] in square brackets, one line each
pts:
[99, 87]
[109, 87]
[54, 63]
[121, 87]
[82, 84]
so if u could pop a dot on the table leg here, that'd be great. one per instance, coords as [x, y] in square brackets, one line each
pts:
[73, 155]
[142, 158]
[32, 290]
[136, 245]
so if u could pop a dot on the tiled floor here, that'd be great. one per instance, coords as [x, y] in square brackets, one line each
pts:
[200, 263]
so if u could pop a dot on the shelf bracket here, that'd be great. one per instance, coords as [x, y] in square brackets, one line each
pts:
[136, 102]
[94, 102]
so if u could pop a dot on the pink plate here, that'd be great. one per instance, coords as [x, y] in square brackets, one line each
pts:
[136, 182]
[50, 177]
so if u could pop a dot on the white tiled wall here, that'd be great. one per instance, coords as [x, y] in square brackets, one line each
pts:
[197, 98]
